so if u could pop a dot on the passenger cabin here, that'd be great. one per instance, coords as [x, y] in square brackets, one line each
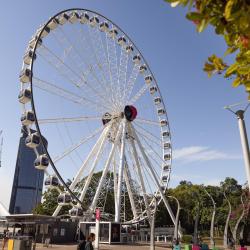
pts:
[73, 17]
[163, 123]
[63, 18]
[64, 199]
[152, 90]
[161, 111]
[32, 140]
[76, 212]
[157, 100]
[27, 58]
[25, 75]
[32, 42]
[45, 31]
[104, 27]
[121, 41]
[84, 18]
[51, 181]
[142, 68]
[129, 49]
[148, 79]
[27, 118]
[93, 21]
[24, 96]
[166, 145]
[53, 23]
[165, 134]
[136, 59]
[164, 178]
[41, 162]
[113, 33]
[166, 167]
[167, 157]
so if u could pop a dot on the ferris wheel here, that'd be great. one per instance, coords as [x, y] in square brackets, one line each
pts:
[88, 90]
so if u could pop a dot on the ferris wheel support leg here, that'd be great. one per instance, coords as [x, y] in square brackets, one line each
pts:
[130, 193]
[120, 174]
[155, 178]
[138, 166]
[89, 157]
[86, 185]
[76, 179]
[104, 173]
[115, 182]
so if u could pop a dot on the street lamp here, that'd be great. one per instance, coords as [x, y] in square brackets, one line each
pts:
[212, 220]
[225, 236]
[176, 234]
[243, 136]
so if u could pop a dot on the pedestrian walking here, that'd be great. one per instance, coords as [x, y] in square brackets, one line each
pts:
[90, 239]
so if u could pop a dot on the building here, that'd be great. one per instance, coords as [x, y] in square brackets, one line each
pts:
[28, 181]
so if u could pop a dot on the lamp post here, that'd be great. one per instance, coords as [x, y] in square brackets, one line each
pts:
[212, 220]
[225, 236]
[152, 225]
[176, 235]
[243, 136]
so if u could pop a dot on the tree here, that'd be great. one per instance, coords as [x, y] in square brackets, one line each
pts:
[231, 19]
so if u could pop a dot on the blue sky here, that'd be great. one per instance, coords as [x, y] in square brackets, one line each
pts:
[205, 137]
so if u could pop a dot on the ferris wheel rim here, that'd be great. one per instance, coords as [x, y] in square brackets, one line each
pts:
[33, 102]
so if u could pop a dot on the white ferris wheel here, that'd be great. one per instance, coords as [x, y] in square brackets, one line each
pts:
[88, 90]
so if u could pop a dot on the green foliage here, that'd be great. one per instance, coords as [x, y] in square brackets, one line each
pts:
[186, 238]
[230, 19]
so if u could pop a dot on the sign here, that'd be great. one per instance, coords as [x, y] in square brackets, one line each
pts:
[97, 214]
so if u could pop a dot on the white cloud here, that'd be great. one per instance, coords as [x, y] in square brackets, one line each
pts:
[201, 153]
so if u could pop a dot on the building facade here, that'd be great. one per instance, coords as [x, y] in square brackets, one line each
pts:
[28, 181]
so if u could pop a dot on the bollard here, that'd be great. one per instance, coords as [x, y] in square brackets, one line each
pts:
[188, 247]
[204, 246]
[242, 248]
[196, 247]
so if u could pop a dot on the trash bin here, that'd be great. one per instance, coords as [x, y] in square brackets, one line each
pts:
[177, 247]
[10, 244]
[188, 247]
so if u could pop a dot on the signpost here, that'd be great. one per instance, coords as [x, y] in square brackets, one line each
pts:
[97, 227]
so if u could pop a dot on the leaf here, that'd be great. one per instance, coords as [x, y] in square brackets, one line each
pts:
[231, 69]
[202, 25]
[236, 82]
[230, 50]
[194, 16]
[244, 70]
[228, 9]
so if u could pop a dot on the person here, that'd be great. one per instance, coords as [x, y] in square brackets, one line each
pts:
[90, 239]
[82, 243]
[5, 238]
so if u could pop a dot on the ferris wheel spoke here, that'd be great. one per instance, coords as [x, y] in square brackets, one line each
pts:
[120, 172]
[146, 121]
[147, 133]
[68, 53]
[67, 72]
[131, 82]
[127, 177]
[69, 119]
[80, 56]
[97, 158]
[105, 171]
[150, 148]
[139, 94]
[77, 145]
[97, 46]
[139, 171]
[113, 68]
[61, 92]
[147, 161]
[122, 74]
